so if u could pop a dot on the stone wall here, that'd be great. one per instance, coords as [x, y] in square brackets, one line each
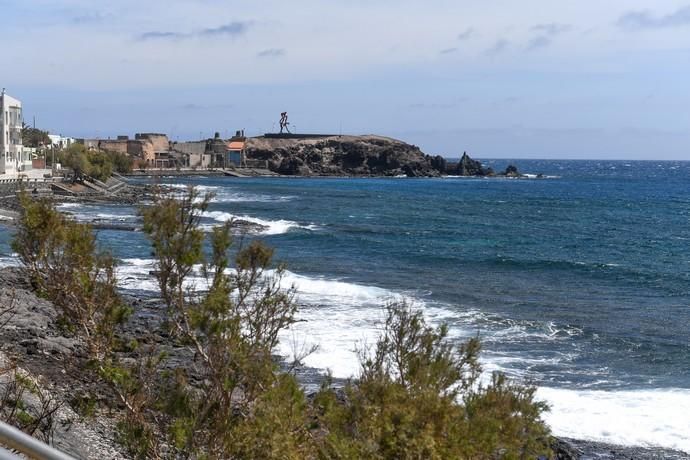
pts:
[119, 146]
[159, 142]
[10, 187]
[135, 149]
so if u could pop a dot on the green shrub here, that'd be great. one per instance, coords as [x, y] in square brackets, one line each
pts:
[94, 163]
[418, 396]
[243, 406]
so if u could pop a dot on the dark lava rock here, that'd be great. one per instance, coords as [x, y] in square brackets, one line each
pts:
[344, 156]
[589, 450]
[293, 166]
[469, 167]
[511, 171]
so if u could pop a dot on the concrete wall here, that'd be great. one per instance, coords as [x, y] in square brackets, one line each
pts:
[197, 147]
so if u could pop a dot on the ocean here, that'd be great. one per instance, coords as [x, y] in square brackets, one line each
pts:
[578, 282]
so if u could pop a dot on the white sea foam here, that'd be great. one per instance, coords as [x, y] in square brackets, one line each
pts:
[272, 227]
[228, 195]
[10, 261]
[335, 315]
[641, 418]
[89, 213]
[340, 316]
[136, 274]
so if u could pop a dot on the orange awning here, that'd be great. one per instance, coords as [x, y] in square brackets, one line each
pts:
[236, 145]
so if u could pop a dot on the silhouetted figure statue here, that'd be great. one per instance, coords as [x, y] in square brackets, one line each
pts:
[284, 122]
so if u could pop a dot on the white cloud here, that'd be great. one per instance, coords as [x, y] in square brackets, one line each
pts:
[347, 39]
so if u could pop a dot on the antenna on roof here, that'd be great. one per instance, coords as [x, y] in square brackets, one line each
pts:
[3, 92]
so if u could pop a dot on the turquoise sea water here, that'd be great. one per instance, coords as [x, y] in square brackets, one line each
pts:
[579, 282]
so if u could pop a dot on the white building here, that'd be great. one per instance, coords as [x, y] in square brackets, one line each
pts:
[60, 142]
[12, 156]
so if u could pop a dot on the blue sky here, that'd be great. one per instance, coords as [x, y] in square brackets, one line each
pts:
[497, 78]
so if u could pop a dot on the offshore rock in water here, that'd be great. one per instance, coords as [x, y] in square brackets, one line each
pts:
[244, 226]
[469, 167]
[511, 171]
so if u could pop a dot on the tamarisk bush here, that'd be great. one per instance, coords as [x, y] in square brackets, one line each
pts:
[242, 406]
[419, 394]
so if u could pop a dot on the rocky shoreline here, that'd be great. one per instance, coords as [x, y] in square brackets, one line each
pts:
[56, 360]
[131, 195]
[44, 351]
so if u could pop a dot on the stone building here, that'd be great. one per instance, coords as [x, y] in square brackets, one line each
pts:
[151, 149]
[155, 148]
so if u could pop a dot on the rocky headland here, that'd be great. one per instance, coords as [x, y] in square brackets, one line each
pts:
[361, 156]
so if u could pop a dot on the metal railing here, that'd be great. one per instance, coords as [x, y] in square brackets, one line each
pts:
[12, 438]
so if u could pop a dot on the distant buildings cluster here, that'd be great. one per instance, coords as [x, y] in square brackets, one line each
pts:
[15, 157]
[149, 150]
[155, 150]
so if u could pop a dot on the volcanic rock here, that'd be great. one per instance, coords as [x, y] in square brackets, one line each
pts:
[344, 156]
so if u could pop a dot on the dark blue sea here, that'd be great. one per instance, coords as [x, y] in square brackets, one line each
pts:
[578, 282]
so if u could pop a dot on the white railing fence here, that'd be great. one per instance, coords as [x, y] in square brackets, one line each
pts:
[32, 448]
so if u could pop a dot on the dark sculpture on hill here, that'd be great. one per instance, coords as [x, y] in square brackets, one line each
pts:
[284, 123]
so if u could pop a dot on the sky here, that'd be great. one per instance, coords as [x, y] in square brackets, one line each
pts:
[496, 78]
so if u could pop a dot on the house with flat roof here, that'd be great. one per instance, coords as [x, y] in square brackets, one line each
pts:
[12, 155]
[235, 154]
[60, 142]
